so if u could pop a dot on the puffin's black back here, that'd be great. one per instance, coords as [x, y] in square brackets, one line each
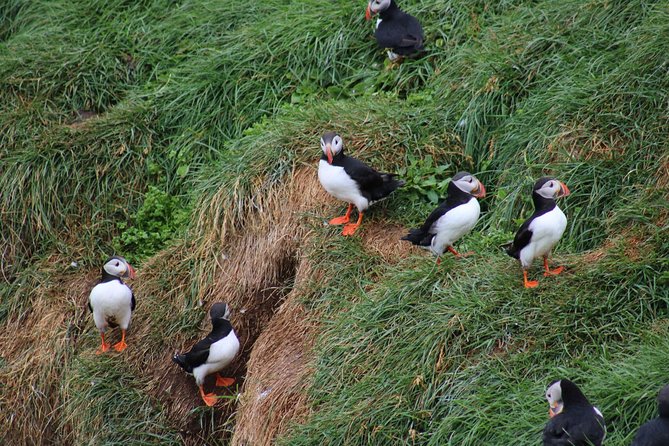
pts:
[200, 352]
[578, 424]
[541, 206]
[374, 186]
[656, 431]
[399, 31]
[454, 198]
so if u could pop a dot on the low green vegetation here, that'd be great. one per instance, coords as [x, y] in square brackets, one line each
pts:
[160, 130]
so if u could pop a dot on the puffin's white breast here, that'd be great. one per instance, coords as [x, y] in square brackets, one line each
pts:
[337, 183]
[111, 299]
[546, 230]
[454, 224]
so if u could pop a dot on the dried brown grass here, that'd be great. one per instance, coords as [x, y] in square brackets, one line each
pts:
[257, 263]
[36, 345]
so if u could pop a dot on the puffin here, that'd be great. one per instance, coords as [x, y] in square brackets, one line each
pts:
[396, 30]
[352, 181]
[112, 301]
[656, 431]
[573, 420]
[453, 218]
[213, 353]
[541, 232]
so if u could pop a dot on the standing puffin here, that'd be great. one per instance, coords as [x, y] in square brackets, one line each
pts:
[396, 30]
[537, 236]
[351, 180]
[112, 302]
[455, 217]
[574, 421]
[213, 353]
[656, 431]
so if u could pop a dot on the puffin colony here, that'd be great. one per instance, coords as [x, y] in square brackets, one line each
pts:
[573, 420]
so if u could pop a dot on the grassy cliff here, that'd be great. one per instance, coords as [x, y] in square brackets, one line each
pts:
[184, 135]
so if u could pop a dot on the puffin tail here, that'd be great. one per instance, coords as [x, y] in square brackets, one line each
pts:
[180, 360]
[418, 237]
[390, 184]
[511, 250]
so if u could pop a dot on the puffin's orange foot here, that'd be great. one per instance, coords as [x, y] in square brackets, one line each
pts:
[103, 348]
[224, 382]
[350, 229]
[120, 346]
[531, 283]
[340, 220]
[554, 272]
[209, 399]
[439, 260]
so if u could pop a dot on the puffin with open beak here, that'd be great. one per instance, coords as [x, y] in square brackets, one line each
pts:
[112, 302]
[352, 181]
[396, 31]
[541, 232]
[454, 218]
[573, 420]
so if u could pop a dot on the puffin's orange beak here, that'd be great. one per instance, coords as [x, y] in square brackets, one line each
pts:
[554, 409]
[131, 271]
[479, 192]
[564, 190]
[368, 13]
[328, 153]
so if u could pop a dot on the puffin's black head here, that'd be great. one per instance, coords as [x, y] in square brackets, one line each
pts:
[468, 183]
[563, 393]
[550, 188]
[219, 311]
[332, 145]
[663, 401]
[117, 266]
[376, 6]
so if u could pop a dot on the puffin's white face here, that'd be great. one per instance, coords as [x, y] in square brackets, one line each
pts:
[554, 397]
[471, 185]
[376, 6]
[553, 189]
[331, 145]
[119, 267]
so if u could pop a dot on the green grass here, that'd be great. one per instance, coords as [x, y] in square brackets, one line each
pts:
[216, 104]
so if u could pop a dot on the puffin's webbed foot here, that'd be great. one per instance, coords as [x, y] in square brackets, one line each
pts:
[529, 283]
[224, 382]
[208, 398]
[548, 271]
[350, 228]
[120, 346]
[344, 218]
[104, 347]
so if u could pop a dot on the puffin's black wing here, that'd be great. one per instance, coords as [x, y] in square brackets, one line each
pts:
[199, 353]
[90, 307]
[422, 236]
[133, 302]
[373, 185]
[403, 34]
[653, 433]
[521, 240]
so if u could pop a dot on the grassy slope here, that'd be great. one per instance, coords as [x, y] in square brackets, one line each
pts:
[510, 90]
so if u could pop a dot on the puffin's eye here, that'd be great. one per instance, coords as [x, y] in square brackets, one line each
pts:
[550, 184]
[470, 180]
[549, 395]
[116, 264]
